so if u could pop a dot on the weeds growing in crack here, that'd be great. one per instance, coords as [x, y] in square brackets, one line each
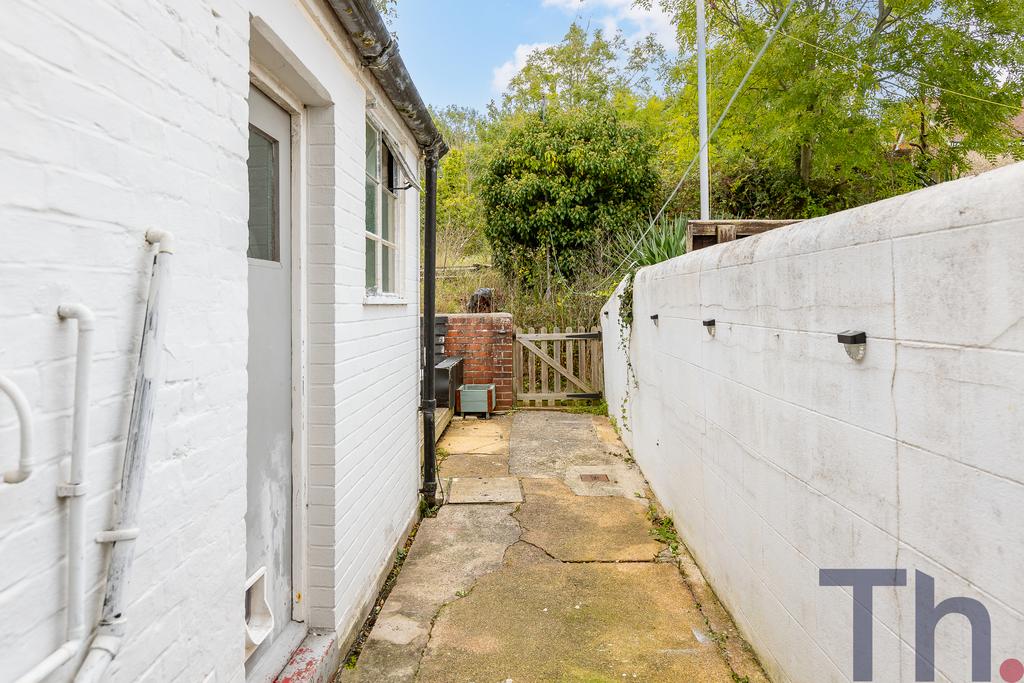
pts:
[664, 529]
[428, 511]
[400, 556]
[592, 408]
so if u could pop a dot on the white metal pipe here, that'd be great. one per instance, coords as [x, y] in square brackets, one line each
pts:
[702, 112]
[24, 412]
[122, 537]
[41, 671]
[75, 486]
[74, 489]
[164, 239]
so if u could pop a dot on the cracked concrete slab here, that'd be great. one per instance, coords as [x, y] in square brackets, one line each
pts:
[585, 529]
[569, 585]
[552, 621]
[451, 551]
[484, 490]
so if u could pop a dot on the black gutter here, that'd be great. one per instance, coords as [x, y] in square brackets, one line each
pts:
[378, 51]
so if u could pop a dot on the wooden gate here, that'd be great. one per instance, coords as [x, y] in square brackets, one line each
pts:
[557, 368]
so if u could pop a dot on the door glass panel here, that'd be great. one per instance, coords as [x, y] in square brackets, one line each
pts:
[387, 276]
[263, 199]
[371, 263]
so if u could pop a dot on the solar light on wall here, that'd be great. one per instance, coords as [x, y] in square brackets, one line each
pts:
[709, 325]
[855, 342]
[655, 319]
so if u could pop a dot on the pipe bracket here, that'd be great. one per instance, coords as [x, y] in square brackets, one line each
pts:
[114, 535]
[70, 490]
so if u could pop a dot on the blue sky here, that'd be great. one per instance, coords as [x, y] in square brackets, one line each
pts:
[464, 51]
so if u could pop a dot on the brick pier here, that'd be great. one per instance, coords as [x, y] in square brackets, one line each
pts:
[484, 340]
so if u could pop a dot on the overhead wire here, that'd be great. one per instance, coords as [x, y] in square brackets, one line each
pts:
[777, 29]
[739, 88]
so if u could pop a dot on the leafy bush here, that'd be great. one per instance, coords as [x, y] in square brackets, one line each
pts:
[557, 185]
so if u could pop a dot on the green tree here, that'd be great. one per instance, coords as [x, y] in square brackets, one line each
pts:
[388, 9]
[460, 212]
[583, 69]
[557, 185]
[855, 99]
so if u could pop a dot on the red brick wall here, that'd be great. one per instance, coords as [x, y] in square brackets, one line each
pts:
[484, 340]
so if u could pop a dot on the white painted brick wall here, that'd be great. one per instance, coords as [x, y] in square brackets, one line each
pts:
[778, 455]
[121, 116]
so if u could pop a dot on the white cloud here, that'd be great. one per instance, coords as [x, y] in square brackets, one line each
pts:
[504, 74]
[635, 22]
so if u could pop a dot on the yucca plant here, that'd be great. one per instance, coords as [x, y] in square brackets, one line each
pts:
[642, 247]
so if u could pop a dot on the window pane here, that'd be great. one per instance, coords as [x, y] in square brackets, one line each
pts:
[262, 196]
[371, 264]
[371, 151]
[387, 278]
[371, 206]
[390, 175]
[387, 218]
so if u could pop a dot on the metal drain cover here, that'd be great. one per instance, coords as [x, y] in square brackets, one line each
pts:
[594, 477]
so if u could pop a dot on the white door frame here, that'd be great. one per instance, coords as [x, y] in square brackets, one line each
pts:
[275, 90]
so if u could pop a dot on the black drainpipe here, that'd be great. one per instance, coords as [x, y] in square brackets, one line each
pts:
[428, 400]
[379, 53]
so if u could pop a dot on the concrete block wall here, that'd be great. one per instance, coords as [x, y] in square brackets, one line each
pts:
[778, 455]
[484, 340]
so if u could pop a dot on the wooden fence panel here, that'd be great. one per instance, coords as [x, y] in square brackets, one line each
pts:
[557, 368]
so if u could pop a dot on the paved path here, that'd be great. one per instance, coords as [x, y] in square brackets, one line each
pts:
[549, 571]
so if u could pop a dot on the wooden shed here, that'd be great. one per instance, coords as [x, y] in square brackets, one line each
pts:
[700, 234]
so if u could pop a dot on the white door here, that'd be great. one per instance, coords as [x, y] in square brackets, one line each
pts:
[268, 516]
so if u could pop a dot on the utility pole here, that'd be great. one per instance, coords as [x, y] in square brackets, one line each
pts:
[702, 113]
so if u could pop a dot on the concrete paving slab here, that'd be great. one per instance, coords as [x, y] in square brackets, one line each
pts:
[623, 480]
[451, 551]
[585, 529]
[476, 436]
[737, 652]
[546, 444]
[567, 585]
[606, 432]
[484, 490]
[473, 465]
[574, 622]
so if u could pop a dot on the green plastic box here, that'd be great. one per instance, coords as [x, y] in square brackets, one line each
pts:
[477, 398]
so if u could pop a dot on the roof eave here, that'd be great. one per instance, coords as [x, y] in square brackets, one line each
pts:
[378, 50]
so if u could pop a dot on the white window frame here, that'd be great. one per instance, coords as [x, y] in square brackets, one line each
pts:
[377, 291]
